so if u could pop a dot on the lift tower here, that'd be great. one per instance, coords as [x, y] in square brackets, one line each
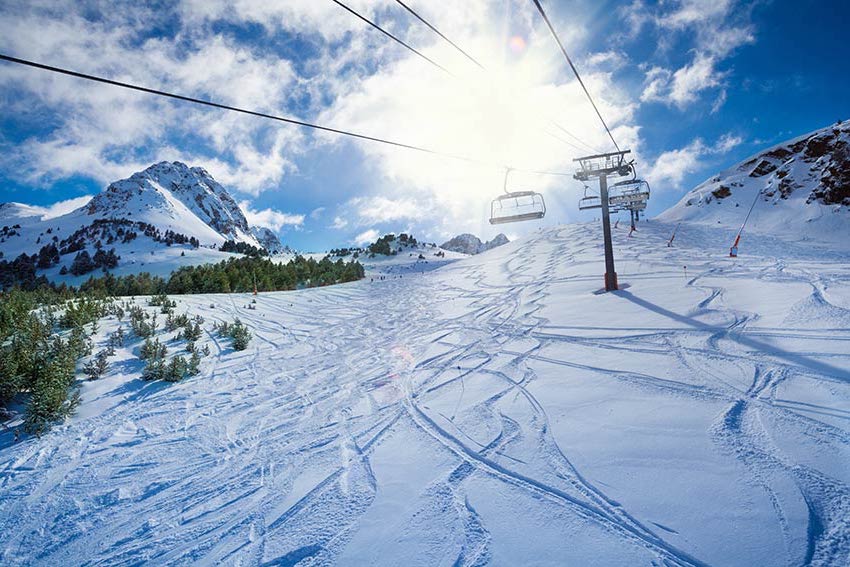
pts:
[601, 166]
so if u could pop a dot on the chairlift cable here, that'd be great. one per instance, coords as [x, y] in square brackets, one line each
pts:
[439, 33]
[579, 140]
[575, 71]
[563, 141]
[391, 36]
[284, 119]
[480, 66]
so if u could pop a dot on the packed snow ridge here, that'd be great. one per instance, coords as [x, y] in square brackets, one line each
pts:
[797, 189]
[470, 244]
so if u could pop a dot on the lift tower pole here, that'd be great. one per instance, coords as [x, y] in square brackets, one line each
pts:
[600, 166]
[610, 272]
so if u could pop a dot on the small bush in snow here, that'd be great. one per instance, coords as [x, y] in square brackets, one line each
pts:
[97, 367]
[192, 331]
[116, 339]
[152, 349]
[237, 332]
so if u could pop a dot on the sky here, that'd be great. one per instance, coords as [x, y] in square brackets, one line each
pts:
[690, 86]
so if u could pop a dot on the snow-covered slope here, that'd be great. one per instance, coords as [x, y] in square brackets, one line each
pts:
[408, 260]
[470, 244]
[801, 190]
[494, 411]
[165, 206]
[171, 195]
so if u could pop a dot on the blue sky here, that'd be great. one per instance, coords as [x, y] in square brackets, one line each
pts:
[690, 86]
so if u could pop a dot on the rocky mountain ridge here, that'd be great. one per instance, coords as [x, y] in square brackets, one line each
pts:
[470, 244]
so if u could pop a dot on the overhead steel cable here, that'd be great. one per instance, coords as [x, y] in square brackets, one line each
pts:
[576, 138]
[391, 36]
[563, 141]
[439, 33]
[287, 120]
[575, 71]
[480, 66]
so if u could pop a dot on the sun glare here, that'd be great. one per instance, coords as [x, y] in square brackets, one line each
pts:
[517, 44]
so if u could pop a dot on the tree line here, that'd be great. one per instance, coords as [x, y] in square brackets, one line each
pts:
[232, 275]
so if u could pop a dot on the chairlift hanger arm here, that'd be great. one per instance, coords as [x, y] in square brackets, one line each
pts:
[610, 154]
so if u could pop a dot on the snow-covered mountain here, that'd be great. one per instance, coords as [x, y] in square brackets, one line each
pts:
[268, 239]
[172, 195]
[169, 214]
[471, 244]
[801, 188]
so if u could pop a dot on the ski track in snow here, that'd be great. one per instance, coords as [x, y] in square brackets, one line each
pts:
[393, 422]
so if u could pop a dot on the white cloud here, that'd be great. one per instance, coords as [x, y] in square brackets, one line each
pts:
[727, 142]
[60, 207]
[63, 207]
[716, 28]
[339, 223]
[270, 218]
[366, 237]
[684, 86]
[612, 60]
[374, 210]
[672, 167]
[103, 132]
[317, 212]
[693, 79]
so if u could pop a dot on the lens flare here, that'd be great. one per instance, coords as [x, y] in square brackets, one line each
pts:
[517, 44]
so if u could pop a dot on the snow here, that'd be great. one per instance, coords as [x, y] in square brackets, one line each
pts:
[785, 182]
[167, 195]
[406, 261]
[494, 410]
[175, 196]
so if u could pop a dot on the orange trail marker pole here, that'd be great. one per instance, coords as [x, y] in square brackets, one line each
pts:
[733, 251]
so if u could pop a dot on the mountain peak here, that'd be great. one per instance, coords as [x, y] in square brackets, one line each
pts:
[169, 194]
[799, 187]
[470, 244]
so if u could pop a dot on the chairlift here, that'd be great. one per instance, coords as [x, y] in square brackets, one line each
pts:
[516, 206]
[629, 194]
[589, 201]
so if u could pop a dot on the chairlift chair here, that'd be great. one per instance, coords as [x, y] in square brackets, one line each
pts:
[629, 193]
[516, 206]
[589, 201]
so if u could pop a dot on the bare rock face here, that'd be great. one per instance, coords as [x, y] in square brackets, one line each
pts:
[471, 244]
[268, 240]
